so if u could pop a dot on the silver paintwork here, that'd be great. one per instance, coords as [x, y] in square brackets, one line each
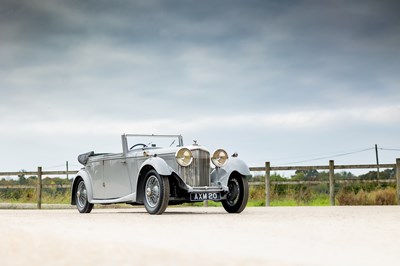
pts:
[117, 177]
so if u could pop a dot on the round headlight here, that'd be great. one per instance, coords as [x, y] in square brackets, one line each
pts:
[219, 158]
[184, 157]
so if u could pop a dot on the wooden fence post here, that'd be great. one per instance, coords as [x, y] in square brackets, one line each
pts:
[398, 180]
[332, 182]
[66, 164]
[267, 183]
[39, 188]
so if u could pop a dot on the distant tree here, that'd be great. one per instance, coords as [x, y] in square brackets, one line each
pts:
[323, 175]
[385, 174]
[32, 180]
[370, 175]
[305, 175]
[298, 175]
[346, 175]
[276, 177]
[21, 177]
[388, 173]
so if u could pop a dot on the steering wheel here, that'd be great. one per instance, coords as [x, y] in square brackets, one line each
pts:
[139, 144]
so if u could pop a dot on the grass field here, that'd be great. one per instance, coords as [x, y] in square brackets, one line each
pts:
[345, 196]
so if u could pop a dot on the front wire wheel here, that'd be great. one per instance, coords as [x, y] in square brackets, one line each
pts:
[81, 197]
[156, 192]
[238, 194]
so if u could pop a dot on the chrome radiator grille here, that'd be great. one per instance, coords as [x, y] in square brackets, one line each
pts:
[198, 173]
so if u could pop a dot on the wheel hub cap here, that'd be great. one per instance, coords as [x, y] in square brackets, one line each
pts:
[148, 192]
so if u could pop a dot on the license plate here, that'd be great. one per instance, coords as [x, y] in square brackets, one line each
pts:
[205, 196]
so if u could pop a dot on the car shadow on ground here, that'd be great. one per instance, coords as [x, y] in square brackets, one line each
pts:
[166, 213]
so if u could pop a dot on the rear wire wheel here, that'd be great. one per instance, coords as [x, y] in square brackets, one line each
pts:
[81, 198]
[156, 192]
[238, 194]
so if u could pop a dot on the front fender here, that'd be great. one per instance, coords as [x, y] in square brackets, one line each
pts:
[158, 164]
[82, 174]
[221, 174]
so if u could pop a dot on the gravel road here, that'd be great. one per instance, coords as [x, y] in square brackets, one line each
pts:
[202, 236]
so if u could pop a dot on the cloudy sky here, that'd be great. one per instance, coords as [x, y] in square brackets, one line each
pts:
[280, 81]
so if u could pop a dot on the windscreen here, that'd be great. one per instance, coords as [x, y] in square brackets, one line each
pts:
[161, 141]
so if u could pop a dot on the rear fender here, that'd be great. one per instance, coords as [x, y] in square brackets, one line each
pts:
[82, 174]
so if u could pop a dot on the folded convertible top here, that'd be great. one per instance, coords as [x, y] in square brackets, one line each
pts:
[83, 158]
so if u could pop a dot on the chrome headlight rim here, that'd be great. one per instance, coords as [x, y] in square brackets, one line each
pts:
[220, 158]
[184, 157]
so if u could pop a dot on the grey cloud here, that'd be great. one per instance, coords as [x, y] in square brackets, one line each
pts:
[75, 74]
[255, 54]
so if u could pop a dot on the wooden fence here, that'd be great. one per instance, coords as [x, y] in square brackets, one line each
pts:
[331, 167]
[39, 187]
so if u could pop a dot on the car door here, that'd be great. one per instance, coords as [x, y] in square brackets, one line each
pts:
[116, 178]
[133, 171]
[95, 169]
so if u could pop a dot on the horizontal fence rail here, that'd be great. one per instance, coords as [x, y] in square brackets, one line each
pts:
[31, 186]
[36, 173]
[266, 169]
[323, 167]
[318, 182]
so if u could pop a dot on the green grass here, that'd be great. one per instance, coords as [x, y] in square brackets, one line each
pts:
[283, 202]
[54, 196]
[47, 198]
[255, 203]
[319, 201]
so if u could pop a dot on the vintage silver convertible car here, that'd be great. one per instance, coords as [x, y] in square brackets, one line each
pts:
[160, 175]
